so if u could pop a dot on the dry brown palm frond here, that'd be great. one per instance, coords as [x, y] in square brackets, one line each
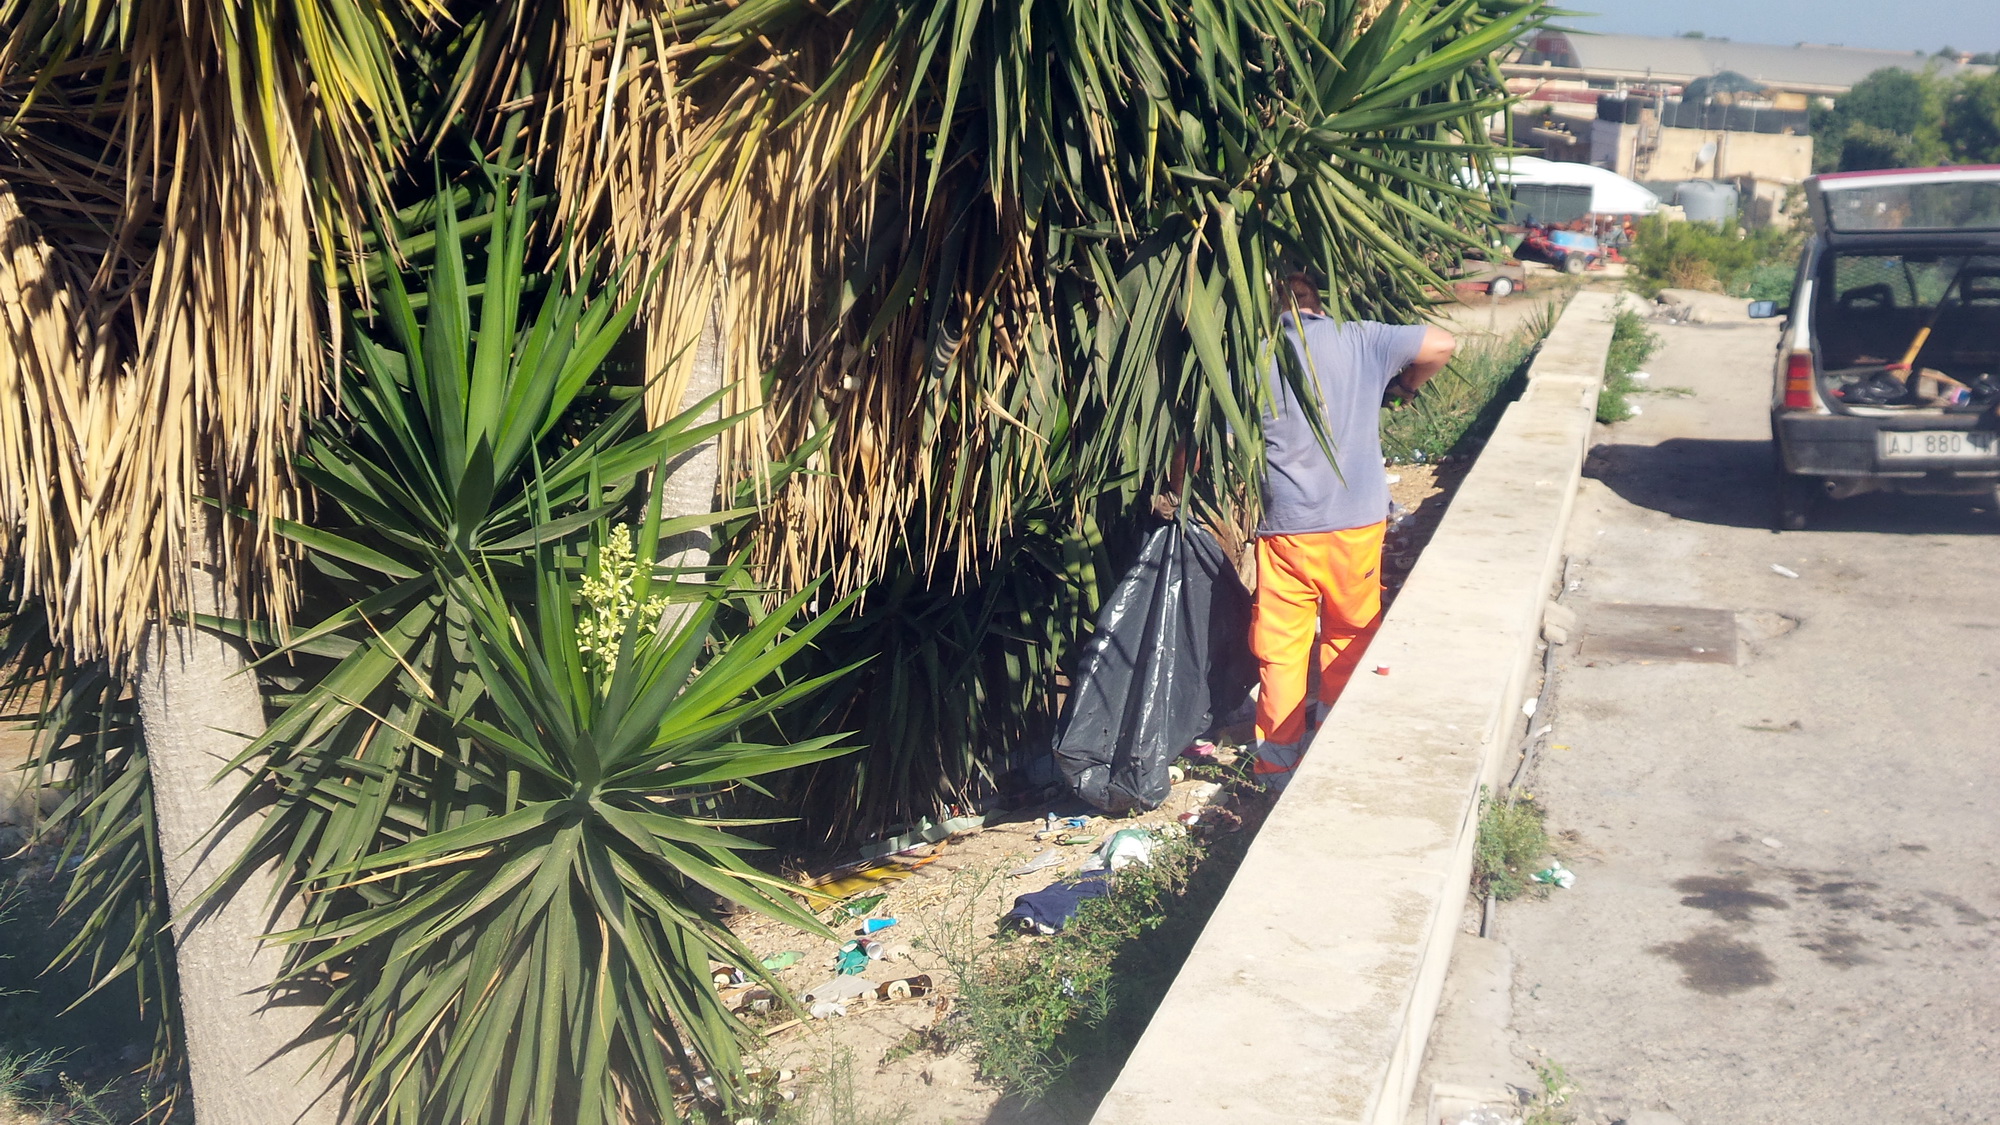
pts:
[756, 200]
[173, 170]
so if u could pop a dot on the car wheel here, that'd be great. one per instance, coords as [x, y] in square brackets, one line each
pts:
[1795, 500]
[1573, 263]
[1501, 286]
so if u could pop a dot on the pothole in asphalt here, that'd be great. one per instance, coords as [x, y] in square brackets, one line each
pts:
[1677, 633]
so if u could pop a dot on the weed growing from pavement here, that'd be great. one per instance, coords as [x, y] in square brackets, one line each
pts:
[1512, 841]
[1052, 1019]
[1551, 1105]
[1632, 344]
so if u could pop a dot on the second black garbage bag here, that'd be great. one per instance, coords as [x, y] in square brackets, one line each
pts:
[1172, 650]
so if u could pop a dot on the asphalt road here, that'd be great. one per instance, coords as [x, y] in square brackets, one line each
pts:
[1788, 897]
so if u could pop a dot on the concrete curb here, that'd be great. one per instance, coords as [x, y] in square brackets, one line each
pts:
[1311, 993]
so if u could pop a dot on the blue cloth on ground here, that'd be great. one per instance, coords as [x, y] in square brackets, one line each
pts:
[1051, 908]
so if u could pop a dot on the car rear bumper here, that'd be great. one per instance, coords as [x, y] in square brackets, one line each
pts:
[1833, 445]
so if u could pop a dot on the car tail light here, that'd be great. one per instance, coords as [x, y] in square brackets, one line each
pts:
[1799, 393]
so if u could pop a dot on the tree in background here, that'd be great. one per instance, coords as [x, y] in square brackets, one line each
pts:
[1971, 129]
[1889, 119]
[1897, 118]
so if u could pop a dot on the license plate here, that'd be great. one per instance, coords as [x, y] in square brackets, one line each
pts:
[1896, 445]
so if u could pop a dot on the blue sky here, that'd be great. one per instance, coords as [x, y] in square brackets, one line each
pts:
[1969, 25]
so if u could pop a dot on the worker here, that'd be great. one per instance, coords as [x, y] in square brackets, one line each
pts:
[1319, 547]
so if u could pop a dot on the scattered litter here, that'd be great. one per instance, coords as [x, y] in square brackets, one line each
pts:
[1529, 705]
[725, 975]
[783, 960]
[924, 833]
[1202, 751]
[1212, 821]
[1127, 845]
[1772, 842]
[1381, 669]
[827, 1011]
[1556, 876]
[875, 925]
[1786, 571]
[904, 988]
[1204, 792]
[861, 907]
[1641, 376]
[855, 882]
[838, 989]
[1634, 409]
[1559, 745]
[1483, 1115]
[1393, 478]
[1048, 910]
[1072, 839]
[749, 999]
[1042, 861]
[855, 955]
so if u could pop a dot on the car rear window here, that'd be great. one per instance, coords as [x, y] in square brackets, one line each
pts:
[1914, 281]
[1959, 205]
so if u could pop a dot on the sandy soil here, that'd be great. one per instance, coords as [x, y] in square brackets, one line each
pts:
[1426, 491]
[954, 898]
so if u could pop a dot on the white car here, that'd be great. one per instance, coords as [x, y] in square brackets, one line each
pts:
[1888, 369]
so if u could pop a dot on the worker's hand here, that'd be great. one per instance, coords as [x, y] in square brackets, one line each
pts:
[1397, 392]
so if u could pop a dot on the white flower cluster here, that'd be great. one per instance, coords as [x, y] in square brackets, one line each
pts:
[611, 602]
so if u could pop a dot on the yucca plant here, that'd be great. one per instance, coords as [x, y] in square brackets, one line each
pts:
[548, 959]
[483, 444]
[478, 423]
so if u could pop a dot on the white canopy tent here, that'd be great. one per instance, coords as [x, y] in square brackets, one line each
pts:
[1610, 193]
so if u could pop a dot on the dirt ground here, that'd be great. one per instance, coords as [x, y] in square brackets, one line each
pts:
[1425, 491]
[954, 894]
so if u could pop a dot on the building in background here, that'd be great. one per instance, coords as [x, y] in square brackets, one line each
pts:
[1668, 111]
[1618, 62]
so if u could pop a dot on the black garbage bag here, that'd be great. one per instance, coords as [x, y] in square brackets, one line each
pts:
[1172, 650]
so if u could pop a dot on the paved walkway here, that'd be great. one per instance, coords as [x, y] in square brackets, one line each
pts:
[1788, 896]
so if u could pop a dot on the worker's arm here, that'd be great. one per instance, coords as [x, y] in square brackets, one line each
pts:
[1432, 355]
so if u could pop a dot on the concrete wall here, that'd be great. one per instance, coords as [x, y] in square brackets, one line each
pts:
[1310, 994]
[1782, 157]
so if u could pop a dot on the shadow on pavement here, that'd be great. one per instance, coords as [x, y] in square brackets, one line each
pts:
[1733, 483]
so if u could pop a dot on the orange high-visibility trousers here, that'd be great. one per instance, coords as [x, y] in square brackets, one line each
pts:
[1329, 581]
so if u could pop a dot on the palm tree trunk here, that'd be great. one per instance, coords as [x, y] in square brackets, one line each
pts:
[199, 706]
[689, 487]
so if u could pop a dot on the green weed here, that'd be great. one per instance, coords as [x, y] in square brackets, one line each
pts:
[1551, 1105]
[1632, 343]
[1052, 1019]
[1756, 264]
[829, 1098]
[1511, 842]
[1465, 401]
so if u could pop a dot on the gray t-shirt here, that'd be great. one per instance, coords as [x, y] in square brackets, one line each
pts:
[1352, 363]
